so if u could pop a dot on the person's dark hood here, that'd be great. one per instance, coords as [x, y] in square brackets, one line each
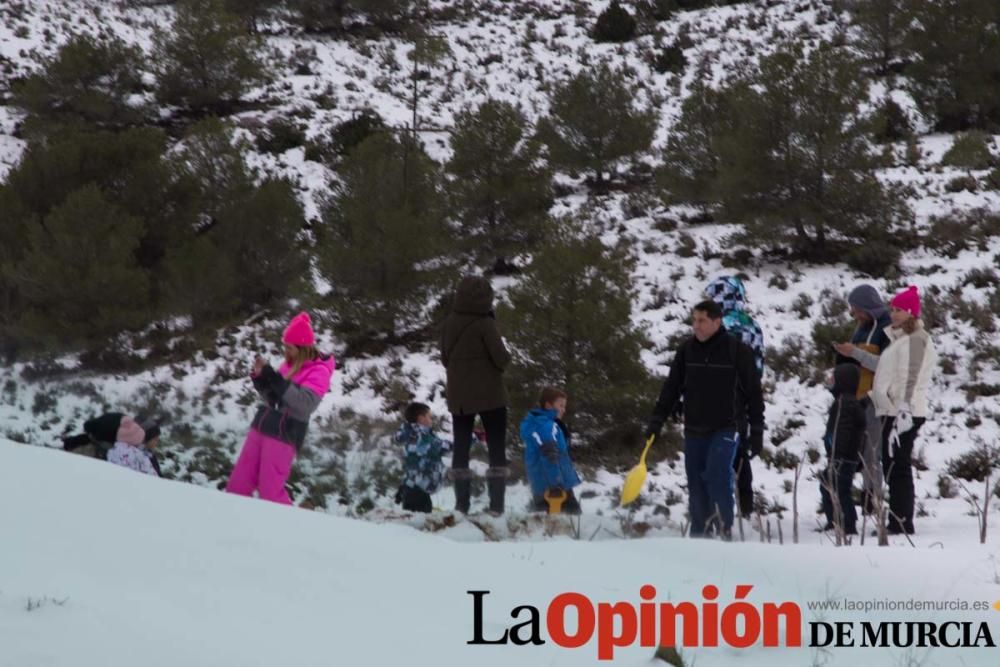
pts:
[474, 296]
[866, 298]
[846, 378]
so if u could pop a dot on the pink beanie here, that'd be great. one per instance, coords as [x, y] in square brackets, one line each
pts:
[299, 332]
[907, 300]
[130, 432]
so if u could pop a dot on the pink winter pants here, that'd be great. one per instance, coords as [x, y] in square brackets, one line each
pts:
[263, 465]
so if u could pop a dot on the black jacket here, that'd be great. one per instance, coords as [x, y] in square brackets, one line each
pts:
[846, 423]
[719, 383]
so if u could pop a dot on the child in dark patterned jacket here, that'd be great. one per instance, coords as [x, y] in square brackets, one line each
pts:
[422, 453]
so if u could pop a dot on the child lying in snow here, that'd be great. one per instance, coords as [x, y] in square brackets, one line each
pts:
[128, 450]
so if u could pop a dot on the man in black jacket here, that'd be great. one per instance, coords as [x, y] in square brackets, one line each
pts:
[715, 375]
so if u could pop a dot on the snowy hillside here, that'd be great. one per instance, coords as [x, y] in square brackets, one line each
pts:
[102, 566]
[516, 52]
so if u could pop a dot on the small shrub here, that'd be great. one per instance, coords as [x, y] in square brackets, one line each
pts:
[351, 133]
[687, 245]
[962, 184]
[970, 151]
[973, 391]
[981, 278]
[615, 24]
[879, 259]
[993, 180]
[824, 335]
[670, 59]
[281, 135]
[891, 123]
[657, 10]
[785, 460]
[778, 281]
[803, 302]
[789, 360]
[946, 487]
[43, 403]
[975, 465]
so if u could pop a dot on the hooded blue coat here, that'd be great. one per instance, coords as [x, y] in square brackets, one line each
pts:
[538, 428]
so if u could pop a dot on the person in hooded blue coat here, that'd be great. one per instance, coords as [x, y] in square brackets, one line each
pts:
[546, 452]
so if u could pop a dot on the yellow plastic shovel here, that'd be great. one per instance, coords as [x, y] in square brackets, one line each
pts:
[636, 476]
[555, 502]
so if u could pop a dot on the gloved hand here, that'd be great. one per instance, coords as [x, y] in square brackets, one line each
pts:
[653, 430]
[755, 444]
[904, 419]
[550, 450]
[893, 442]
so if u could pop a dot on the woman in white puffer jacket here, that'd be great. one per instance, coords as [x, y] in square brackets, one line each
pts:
[899, 393]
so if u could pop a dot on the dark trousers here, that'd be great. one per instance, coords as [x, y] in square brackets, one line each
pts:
[744, 480]
[839, 475]
[416, 499]
[898, 470]
[495, 423]
[708, 462]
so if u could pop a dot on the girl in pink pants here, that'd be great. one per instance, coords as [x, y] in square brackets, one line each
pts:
[289, 396]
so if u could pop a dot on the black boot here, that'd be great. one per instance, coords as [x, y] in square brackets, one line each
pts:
[496, 484]
[463, 489]
[571, 505]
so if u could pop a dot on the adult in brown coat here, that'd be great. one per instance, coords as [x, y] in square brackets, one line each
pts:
[475, 357]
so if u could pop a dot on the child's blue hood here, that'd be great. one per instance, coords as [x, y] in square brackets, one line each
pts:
[540, 416]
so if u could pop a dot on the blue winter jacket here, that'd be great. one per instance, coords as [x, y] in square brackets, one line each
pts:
[539, 431]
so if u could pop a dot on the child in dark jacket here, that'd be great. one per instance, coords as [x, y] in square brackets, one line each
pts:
[422, 465]
[845, 430]
[546, 452]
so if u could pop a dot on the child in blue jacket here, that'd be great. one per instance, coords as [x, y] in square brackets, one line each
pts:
[422, 452]
[546, 451]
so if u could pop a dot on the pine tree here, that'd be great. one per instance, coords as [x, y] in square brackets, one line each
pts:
[389, 15]
[253, 12]
[321, 15]
[499, 188]
[428, 50]
[884, 28]
[381, 237]
[615, 24]
[129, 169]
[569, 324]
[78, 277]
[350, 133]
[692, 159]
[788, 154]
[594, 122]
[891, 122]
[206, 60]
[244, 250]
[956, 76]
[88, 84]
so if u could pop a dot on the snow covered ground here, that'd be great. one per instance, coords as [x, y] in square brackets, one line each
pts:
[104, 567]
[515, 52]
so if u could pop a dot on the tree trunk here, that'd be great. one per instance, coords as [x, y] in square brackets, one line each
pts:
[986, 511]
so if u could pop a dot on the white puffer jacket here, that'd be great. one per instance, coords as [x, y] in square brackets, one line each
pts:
[130, 456]
[904, 373]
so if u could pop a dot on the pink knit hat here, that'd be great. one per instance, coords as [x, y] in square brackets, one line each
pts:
[299, 331]
[130, 432]
[908, 300]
